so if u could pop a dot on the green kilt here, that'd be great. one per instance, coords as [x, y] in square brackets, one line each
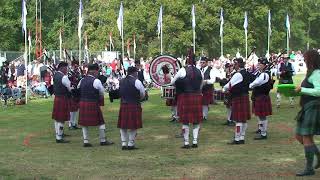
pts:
[308, 119]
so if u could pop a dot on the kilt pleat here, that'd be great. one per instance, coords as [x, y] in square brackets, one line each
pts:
[261, 106]
[240, 109]
[308, 119]
[190, 108]
[90, 114]
[130, 116]
[207, 97]
[74, 105]
[61, 106]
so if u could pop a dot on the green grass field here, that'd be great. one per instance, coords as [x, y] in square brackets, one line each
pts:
[28, 149]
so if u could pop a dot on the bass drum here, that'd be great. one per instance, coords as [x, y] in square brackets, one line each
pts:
[156, 68]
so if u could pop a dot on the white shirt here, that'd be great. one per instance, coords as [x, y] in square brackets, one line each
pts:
[96, 84]
[236, 79]
[180, 74]
[65, 81]
[138, 84]
[212, 75]
[261, 79]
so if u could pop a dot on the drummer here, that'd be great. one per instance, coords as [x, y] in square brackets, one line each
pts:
[173, 101]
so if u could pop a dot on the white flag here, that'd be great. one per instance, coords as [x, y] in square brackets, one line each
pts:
[80, 19]
[193, 17]
[269, 23]
[288, 25]
[221, 22]
[120, 20]
[245, 23]
[160, 21]
[24, 16]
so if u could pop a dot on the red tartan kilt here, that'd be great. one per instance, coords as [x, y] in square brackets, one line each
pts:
[90, 114]
[130, 116]
[240, 109]
[190, 108]
[207, 97]
[171, 102]
[61, 106]
[74, 105]
[261, 106]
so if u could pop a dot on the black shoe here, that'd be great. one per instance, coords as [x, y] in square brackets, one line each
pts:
[185, 147]
[124, 148]
[132, 148]
[194, 146]
[258, 131]
[106, 143]
[75, 127]
[234, 142]
[306, 173]
[260, 137]
[87, 145]
[173, 120]
[241, 141]
[61, 141]
[204, 119]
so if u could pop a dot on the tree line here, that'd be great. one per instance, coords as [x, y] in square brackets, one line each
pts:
[140, 18]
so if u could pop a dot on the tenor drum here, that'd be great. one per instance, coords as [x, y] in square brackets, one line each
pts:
[168, 92]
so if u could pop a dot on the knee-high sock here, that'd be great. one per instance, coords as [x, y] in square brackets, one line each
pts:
[278, 99]
[73, 116]
[243, 131]
[132, 136]
[185, 132]
[205, 110]
[309, 154]
[56, 127]
[102, 133]
[85, 134]
[124, 137]
[175, 110]
[229, 114]
[60, 130]
[237, 131]
[260, 122]
[264, 125]
[196, 129]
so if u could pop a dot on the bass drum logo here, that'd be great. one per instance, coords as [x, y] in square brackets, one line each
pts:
[156, 65]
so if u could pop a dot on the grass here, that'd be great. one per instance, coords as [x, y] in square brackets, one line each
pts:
[28, 149]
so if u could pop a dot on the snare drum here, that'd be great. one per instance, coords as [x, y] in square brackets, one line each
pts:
[168, 92]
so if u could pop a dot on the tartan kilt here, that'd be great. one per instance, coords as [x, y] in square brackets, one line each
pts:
[190, 108]
[240, 109]
[61, 106]
[261, 106]
[130, 116]
[207, 97]
[90, 114]
[74, 105]
[308, 119]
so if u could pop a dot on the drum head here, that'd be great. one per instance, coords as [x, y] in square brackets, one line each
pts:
[156, 65]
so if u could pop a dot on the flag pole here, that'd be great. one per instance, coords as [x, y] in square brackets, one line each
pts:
[29, 39]
[122, 42]
[246, 34]
[221, 45]
[60, 44]
[288, 42]
[161, 38]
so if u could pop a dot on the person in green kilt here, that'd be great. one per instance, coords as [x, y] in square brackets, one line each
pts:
[308, 119]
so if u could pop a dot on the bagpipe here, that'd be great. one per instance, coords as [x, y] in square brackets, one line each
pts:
[75, 74]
